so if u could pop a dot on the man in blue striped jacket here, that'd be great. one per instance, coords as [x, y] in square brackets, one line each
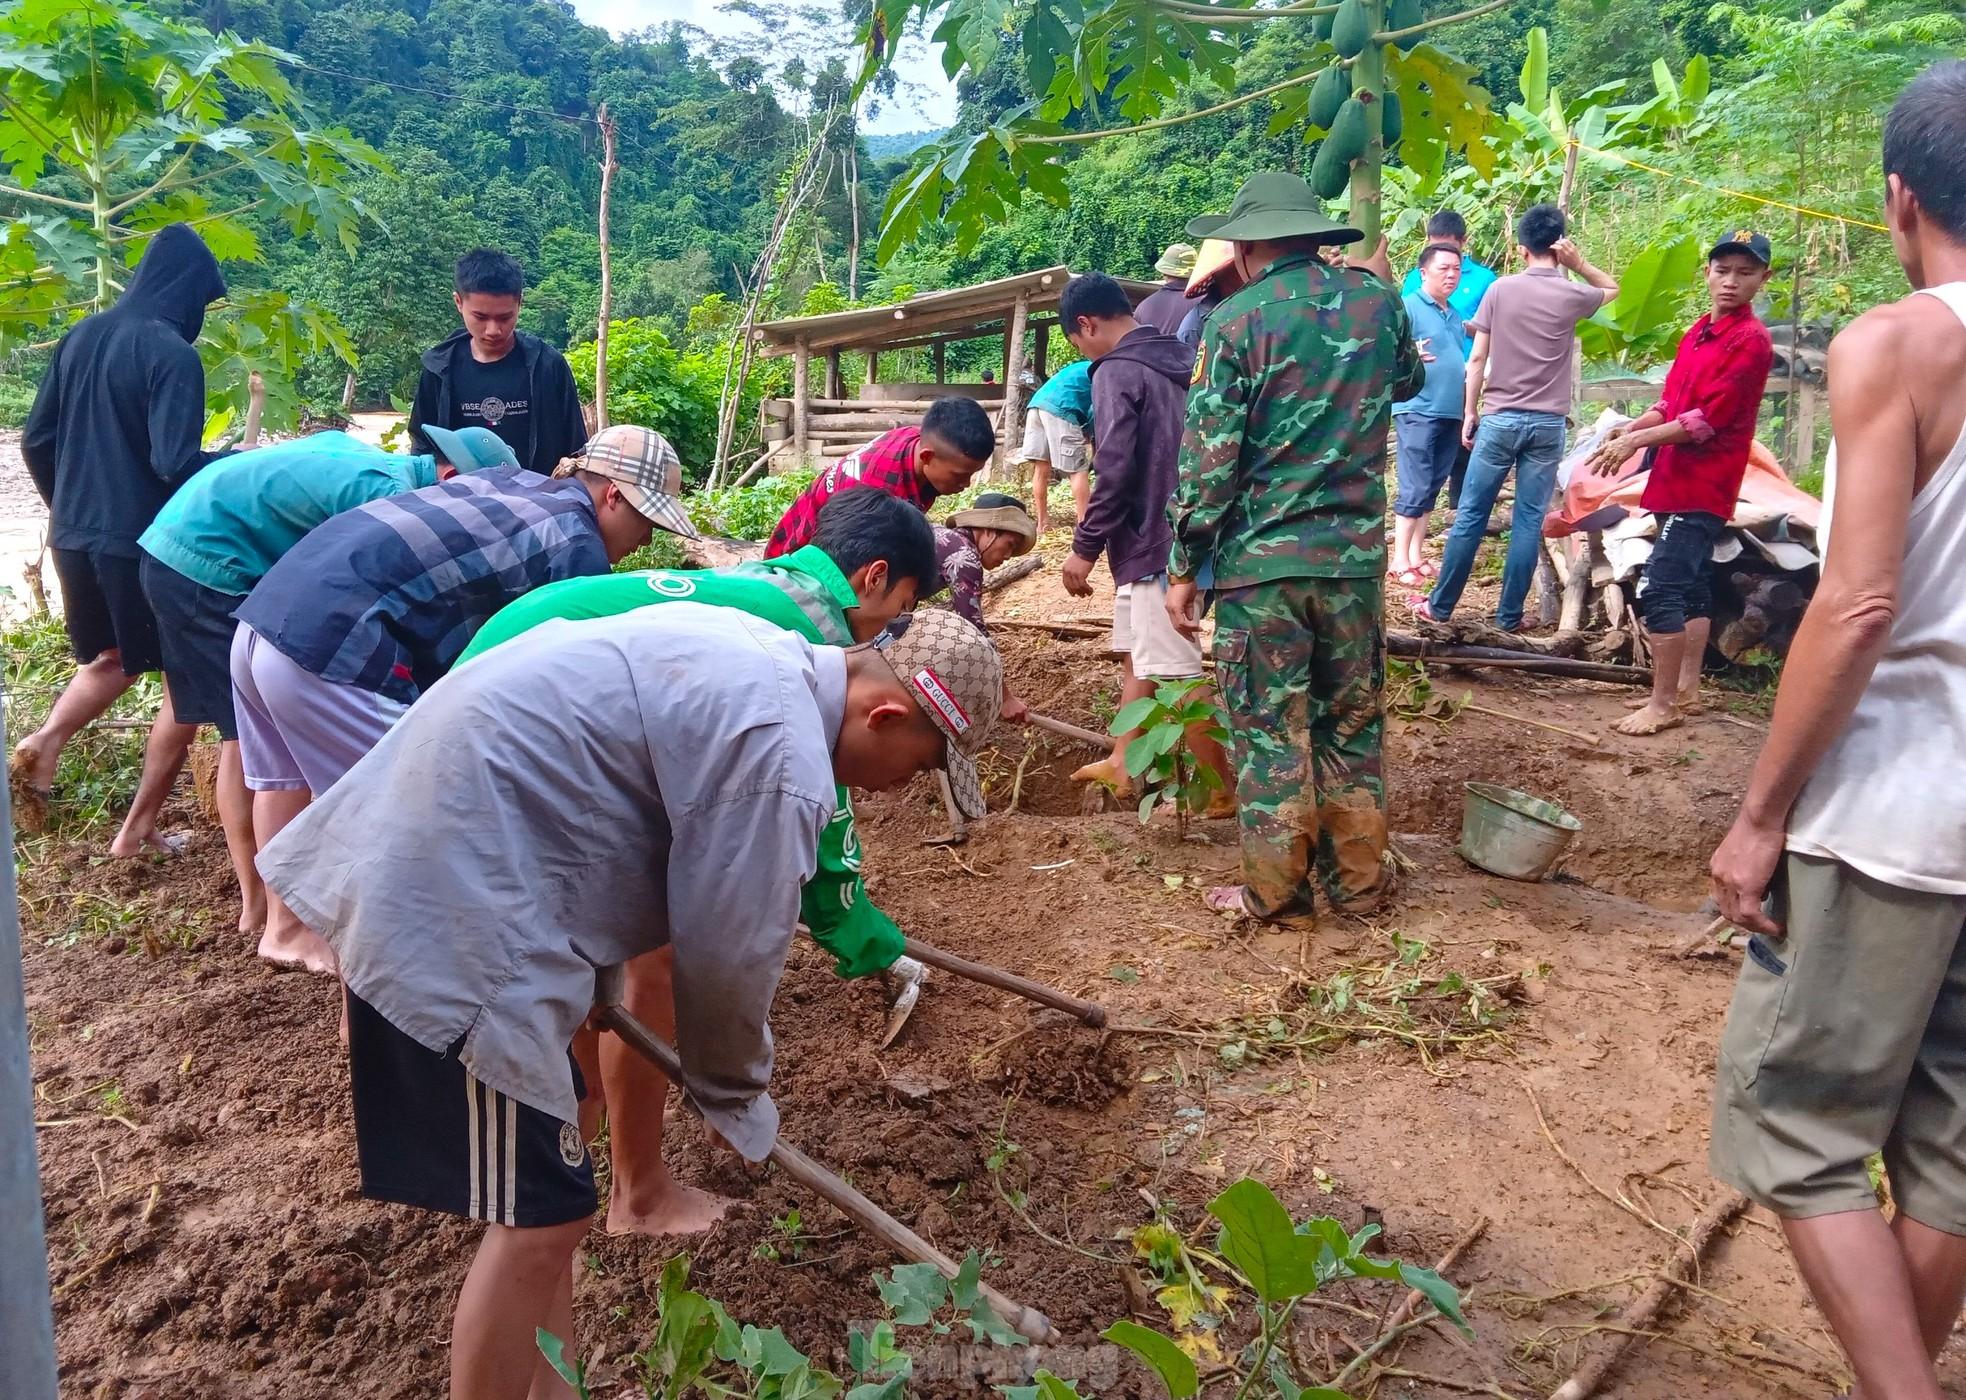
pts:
[372, 607]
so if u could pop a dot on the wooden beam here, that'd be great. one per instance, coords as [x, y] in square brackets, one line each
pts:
[832, 374]
[801, 400]
[873, 366]
[885, 405]
[1013, 372]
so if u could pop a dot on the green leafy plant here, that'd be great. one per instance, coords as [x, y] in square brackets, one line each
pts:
[652, 384]
[786, 1241]
[1159, 757]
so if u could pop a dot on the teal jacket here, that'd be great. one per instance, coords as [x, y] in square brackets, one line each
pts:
[231, 522]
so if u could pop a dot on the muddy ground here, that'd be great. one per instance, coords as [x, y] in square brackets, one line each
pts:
[206, 1239]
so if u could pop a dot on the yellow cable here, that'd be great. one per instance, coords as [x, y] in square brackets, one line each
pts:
[1732, 194]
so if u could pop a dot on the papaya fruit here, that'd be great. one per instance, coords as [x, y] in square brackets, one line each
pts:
[1348, 133]
[1390, 120]
[1351, 29]
[1330, 172]
[1404, 14]
[1328, 94]
[1321, 26]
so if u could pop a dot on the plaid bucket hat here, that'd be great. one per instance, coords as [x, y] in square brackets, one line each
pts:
[642, 463]
[952, 671]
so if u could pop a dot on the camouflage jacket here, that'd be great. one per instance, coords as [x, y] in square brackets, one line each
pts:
[1283, 465]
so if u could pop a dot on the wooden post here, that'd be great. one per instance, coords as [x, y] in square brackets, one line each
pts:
[873, 366]
[607, 273]
[1013, 374]
[255, 408]
[1802, 398]
[940, 351]
[1041, 352]
[348, 392]
[801, 401]
[833, 374]
[1576, 362]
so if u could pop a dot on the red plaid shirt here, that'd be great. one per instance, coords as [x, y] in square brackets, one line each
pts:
[1714, 391]
[886, 464]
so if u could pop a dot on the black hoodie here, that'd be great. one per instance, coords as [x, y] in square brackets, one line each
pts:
[116, 426]
[1139, 405]
[554, 425]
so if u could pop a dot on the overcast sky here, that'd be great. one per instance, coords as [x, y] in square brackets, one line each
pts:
[926, 99]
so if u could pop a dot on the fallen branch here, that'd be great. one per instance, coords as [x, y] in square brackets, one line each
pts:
[1446, 1261]
[1453, 654]
[1070, 731]
[1643, 1312]
[1011, 572]
[1076, 630]
[1592, 739]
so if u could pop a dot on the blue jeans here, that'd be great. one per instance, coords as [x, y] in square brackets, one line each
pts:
[1532, 444]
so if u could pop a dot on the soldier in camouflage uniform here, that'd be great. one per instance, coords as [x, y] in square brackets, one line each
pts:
[1280, 516]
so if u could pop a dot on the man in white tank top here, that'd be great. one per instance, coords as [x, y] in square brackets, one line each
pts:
[1847, 1035]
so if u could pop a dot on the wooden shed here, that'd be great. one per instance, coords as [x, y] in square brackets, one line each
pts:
[830, 419]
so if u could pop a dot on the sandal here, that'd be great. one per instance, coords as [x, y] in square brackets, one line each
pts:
[1417, 605]
[1233, 899]
[1408, 578]
[1427, 569]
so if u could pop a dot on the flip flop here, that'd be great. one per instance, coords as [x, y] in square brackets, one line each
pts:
[1417, 605]
[1409, 578]
[1427, 569]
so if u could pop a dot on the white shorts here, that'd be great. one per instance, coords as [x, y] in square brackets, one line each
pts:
[1049, 438]
[1142, 628]
[297, 731]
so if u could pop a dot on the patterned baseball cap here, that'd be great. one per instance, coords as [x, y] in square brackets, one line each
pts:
[642, 463]
[952, 671]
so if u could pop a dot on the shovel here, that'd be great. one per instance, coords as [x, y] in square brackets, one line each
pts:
[1090, 1012]
[1027, 1322]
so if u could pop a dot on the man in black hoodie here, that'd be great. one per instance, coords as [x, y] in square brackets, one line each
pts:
[493, 375]
[115, 429]
[1140, 383]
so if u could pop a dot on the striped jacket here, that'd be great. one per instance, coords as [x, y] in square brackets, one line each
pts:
[386, 596]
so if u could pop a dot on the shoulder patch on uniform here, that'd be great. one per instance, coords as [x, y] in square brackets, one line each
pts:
[1201, 363]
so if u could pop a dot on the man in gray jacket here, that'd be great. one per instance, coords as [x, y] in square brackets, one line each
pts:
[476, 867]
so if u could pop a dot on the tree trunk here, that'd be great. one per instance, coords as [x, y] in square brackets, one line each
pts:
[607, 274]
[801, 401]
[1013, 374]
[1369, 85]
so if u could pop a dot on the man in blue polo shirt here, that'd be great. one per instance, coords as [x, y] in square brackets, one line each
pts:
[1477, 277]
[1055, 429]
[1427, 426]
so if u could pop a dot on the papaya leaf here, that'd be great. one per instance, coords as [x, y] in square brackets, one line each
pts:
[1174, 1366]
[1436, 1290]
[913, 1292]
[1651, 301]
[1441, 104]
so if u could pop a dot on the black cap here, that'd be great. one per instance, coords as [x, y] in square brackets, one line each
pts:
[1743, 240]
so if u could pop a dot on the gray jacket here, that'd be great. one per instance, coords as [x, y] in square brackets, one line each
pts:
[585, 793]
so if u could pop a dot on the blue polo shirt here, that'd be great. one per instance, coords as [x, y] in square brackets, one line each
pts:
[1447, 372]
[1476, 279]
[1068, 394]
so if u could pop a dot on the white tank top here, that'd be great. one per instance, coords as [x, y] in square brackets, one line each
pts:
[1889, 798]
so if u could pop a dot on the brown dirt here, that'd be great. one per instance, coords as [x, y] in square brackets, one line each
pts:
[213, 1244]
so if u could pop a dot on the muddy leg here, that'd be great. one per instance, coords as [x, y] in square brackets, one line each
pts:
[287, 940]
[515, 1284]
[164, 753]
[1348, 679]
[643, 1198]
[1263, 655]
[95, 686]
[235, 813]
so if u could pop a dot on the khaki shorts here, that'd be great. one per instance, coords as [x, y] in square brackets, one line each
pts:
[1049, 438]
[1848, 1037]
[1142, 629]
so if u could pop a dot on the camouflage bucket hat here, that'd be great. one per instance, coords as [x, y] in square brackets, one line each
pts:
[642, 463]
[952, 671]
[1273, 204]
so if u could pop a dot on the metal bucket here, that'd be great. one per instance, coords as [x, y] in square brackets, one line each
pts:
[1512, 834]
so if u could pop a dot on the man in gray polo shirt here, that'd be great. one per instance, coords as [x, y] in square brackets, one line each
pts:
[1525, 344]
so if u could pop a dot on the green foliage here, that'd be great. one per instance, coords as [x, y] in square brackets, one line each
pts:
[748, 512]
[99, 767]
[650, 384]
[1644, 321]
[1159, 758]
[16, 398]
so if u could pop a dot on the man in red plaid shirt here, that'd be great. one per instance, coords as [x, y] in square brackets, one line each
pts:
[915, 464]
[1702, 427]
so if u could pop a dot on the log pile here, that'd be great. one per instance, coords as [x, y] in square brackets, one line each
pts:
[840, 427]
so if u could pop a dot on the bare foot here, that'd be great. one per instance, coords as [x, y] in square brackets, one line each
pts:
[31, 780]
[1650, 720]
[252, 918]
[1108, 772]
[302, 948]
[676, 1210]
[151, 843]
[1687, 702]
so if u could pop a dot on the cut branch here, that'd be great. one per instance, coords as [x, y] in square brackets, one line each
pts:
[1077, 137]
[46, 198]
[1393, 36]
[1216, 14]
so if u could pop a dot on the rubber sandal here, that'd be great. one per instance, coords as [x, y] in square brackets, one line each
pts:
[1427, 569]
[1409, 578]
[1417, 605]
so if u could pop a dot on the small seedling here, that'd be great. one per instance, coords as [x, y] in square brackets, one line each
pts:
[1159, 757]
[785, 1242]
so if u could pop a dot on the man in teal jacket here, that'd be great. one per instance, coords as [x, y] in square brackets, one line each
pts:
[202, 554]
[871, 555]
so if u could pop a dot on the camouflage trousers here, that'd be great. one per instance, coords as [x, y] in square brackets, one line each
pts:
[1301, 664]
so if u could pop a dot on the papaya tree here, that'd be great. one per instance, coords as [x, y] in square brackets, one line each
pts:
[115, 122]
[1369, 82]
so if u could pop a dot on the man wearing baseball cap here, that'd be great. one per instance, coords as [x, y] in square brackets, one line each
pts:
[1699, 433]
[476, 869]
[365, 613]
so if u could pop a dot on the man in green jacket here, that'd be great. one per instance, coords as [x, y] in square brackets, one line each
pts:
[1281, 507]
[871, 555]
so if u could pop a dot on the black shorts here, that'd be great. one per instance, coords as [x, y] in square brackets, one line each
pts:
[103, 605]
[1678, 582]
[194, 631]
[428, 1134]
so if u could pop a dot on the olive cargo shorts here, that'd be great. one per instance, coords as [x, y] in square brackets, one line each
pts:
[1847, 1037]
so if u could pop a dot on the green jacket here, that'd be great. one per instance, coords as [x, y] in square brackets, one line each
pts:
[1283, 466]
[803, 592]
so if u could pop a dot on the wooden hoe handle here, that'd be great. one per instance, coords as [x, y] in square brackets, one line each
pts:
[1090, 1012]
